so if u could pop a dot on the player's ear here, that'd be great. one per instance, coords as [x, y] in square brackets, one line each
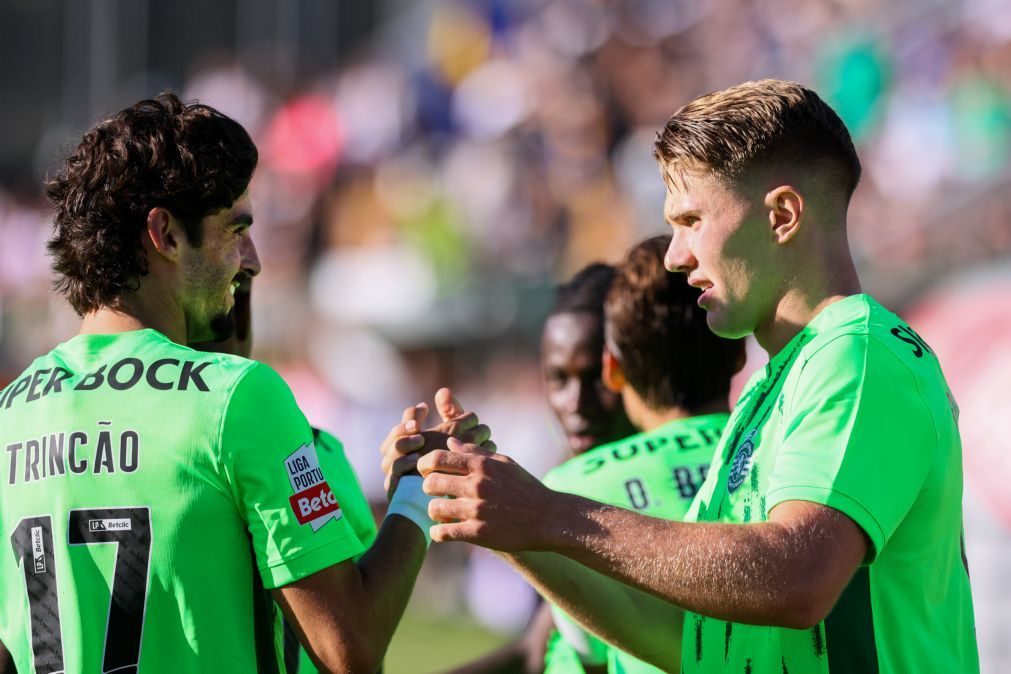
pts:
[162, 233]
[613, 375]
[786, 211]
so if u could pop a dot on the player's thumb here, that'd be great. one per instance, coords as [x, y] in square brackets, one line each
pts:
[461, 447]
[447, 404]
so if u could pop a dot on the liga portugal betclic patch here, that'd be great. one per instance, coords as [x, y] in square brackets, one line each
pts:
[313, 502]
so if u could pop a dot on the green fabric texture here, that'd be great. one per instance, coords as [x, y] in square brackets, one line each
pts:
[657, 473]
[854, 413]
[150, 493]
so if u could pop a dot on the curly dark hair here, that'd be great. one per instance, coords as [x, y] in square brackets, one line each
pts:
[585, 292]
[187, 158]
[656, 329]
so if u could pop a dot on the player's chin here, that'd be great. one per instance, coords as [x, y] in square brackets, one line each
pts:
[722, 322]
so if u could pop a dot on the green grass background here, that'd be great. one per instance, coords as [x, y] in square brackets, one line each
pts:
[426, 646]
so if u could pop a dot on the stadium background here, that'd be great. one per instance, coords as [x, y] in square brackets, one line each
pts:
[429, 170]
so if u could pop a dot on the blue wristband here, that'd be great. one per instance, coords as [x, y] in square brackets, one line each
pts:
[410, 501]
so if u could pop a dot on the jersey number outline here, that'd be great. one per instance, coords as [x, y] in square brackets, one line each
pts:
[638, 497]
[130, 530]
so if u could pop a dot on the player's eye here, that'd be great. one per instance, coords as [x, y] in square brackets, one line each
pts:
[556, 379]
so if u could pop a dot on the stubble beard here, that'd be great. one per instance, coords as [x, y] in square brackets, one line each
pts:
[222, 327]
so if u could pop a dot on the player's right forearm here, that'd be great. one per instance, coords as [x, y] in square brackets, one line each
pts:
[627, 618]
[345, 614]
[388, 571]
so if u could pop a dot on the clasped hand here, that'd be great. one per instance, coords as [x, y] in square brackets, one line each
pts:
[495, 502]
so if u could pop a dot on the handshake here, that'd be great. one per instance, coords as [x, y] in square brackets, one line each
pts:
[495, 502]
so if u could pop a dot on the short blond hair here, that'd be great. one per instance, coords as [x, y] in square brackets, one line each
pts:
[733, 131]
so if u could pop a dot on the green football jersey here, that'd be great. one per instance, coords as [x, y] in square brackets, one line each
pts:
[151, 493]
[854, 413]
[560, 657]
[356, 509]
[657, 473]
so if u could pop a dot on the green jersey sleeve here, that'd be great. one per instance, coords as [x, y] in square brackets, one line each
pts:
[280, 484]
[349, 492]
[854, 436]
[560, 657]
[587, 648]
[356, 509]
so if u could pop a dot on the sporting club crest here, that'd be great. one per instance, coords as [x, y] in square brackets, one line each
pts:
[741, 466]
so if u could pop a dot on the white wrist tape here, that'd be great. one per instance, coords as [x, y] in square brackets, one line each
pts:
[410, 501]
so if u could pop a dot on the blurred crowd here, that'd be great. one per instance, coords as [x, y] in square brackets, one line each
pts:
[415, 204]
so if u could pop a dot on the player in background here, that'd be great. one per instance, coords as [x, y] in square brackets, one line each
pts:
[673, 375]
[354, 506]
[589, 415]
[159, 500]
[827, 536]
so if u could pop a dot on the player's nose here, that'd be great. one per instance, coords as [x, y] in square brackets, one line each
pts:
[679, 257]
[250, 258]
[571, 395]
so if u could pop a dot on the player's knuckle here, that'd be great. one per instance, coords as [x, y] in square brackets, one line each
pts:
[481, 489]
[479, 529]
[436, 508]
[481, 509]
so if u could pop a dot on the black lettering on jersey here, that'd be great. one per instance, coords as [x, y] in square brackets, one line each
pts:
[77, 439]
[908, 335]
[31, 460]
[297, 465]
[103, 455]
[123, 375]
[593, 464]
[52, 454]
[710, 435]
[129, 451]
[308, 479]
[134, 376]
[152, 374]
[56, 465]
[33, 389]
[191, 373]
[654, 444]
[627, 452]
[92, 381]
[686, 442]
[685, 480]
[13, 450]
[19, 387]
[55, 383]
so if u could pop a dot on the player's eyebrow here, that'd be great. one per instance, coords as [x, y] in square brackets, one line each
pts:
[681, 215]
